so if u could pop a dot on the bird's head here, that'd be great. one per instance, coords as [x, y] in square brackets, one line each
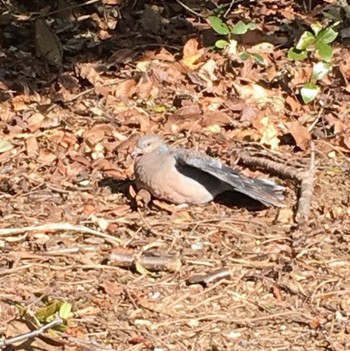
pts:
[149, 143]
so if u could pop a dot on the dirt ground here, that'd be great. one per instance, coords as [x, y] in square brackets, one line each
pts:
[143, 275]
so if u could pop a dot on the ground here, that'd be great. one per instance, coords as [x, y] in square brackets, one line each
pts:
[145, 275]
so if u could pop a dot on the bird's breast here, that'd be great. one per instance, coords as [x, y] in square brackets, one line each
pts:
[160, 177]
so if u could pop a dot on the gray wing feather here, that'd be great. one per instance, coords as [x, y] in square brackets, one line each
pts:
[262, 190]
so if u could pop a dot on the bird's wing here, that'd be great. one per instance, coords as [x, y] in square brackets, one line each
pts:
[264, 191]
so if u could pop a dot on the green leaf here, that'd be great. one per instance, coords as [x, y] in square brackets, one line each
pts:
[5, 145]
[65, 310]
[258, 58]
[309, 91]
[320, 70]
[218, 25]
[326, 36]
[221, 44]
[45, 313]
[244, 56]
[316, 27]
[159, 108]
[324, 51]
[306, 39]
[294, 54]
[239, 28]
[251, 26]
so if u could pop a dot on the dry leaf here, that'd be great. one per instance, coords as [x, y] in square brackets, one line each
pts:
[185, 118]
[192, 54]
[35, 121]
[126, 88]
[5, 145]
[268, 131]
[88, 71]
[32, 147]
[285, 215]
[21, 102]
[255, 94]
[216, 118]
[300, 134]
[97, 133]
[46, 157]
[207, 71]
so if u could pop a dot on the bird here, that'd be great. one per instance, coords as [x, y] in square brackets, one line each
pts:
[187, 177]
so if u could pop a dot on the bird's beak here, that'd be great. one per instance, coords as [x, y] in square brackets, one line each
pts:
[136, 152]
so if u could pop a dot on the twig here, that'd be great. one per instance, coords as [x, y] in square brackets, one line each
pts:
[210, 277]
[271, 166]
[89, 2]
[306, 189]
[59, 227]
[31, 334]
[88, 91]
[189, 9]
[151, 263]
[229, 8]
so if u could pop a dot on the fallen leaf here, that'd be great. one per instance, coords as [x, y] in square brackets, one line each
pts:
[126, 88]
[88, 71]
[20, 102]
[32, 147]
[192, 54]
[46, 157]
[256, 94]
[5, 145]
[267, 130]
[219, 118]
[35, 121]
[300, 134]
[185, 118]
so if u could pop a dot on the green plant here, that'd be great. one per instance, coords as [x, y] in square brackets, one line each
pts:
[227, 30]
[315, 45]
[52, 310]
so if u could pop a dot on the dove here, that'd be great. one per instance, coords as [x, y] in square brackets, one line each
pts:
[185, 177]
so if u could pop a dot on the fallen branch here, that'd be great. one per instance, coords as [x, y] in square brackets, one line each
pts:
[59, 227]
[211, 277]
[306, 190]
[29, 335]
[273, 167]
[151, 263]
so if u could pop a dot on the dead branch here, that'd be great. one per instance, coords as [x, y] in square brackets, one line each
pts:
[151, 263]
[271, 166]
[59, 227]
[211, 277]
[306, 189]
[32, 334]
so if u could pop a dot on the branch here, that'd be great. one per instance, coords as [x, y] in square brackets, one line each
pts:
[306, 189]
[59, 227]
[151, 263]
[31, 334]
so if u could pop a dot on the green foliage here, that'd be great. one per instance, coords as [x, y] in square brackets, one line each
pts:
[222, 28]
[315, 45]
[53, 309]
[309, 91]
